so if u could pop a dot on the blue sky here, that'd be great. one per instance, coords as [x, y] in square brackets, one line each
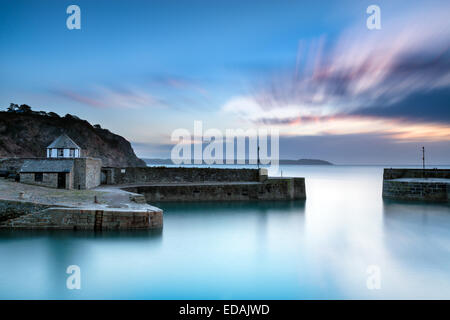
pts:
[312, 69]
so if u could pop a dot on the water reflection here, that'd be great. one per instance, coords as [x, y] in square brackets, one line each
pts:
[417, 213]
[228, 208]
[122, 235]
[416, 237]
[34, 262]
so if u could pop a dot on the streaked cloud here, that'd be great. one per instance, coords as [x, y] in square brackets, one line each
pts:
[364, 82]
[293, 121]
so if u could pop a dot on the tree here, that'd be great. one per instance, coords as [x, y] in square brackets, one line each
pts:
[24, 108]
[52, 114]
[12, 107]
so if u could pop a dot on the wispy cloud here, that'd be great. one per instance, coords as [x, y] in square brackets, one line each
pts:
[179, 83]
[155, 91]
[107, 97]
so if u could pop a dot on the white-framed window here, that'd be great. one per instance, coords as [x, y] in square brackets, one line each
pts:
[72, 153]
[60, 153]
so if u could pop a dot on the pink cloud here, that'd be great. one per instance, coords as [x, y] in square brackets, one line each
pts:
[102, 97]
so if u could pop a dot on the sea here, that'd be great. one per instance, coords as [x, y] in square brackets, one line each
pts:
[343, 242]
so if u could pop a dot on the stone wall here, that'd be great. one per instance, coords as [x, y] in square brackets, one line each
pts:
[417, 191]
[69, 180]
[49, 180]
[10, 209]
[86, 173]
[79, 174]
[86, 219]
[93, 172]
[417, 184]
[271, 189]
[299, 188]
[137, 175]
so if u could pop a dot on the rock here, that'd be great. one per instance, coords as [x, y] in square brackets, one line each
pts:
[28, 135]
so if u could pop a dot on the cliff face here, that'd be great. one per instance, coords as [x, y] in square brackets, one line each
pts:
[27, 134]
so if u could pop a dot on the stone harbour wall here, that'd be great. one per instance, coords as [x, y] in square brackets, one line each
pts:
[271, 189]
[417, 184]
[137, 175]
[10, 209]
[417, 191]
[86, 219]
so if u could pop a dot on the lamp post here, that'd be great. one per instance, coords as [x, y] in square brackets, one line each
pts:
[258, 155]
[423, 162]
[423, 158]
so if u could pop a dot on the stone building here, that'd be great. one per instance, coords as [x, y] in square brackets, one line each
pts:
[48, 173]
[63, 147]
[64, 168]
[75, 173]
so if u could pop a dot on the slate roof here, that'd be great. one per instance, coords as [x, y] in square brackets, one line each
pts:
[64, 142]
[42, 165]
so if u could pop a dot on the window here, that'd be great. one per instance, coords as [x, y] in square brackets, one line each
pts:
[72, 153]
[38, 177]
[60, 153]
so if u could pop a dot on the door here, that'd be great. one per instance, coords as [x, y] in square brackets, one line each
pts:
[103, 177]
[61, 180]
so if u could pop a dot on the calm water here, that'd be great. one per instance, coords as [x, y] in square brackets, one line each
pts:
[319, 248]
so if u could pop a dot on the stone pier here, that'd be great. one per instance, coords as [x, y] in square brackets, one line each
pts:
[34, 207]
[431, 185]
[205, 184]
[271, 189]
[87, 219]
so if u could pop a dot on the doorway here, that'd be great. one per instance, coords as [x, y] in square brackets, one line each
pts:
[61, 180]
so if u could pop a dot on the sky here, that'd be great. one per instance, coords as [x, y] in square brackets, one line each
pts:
[334, 89]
